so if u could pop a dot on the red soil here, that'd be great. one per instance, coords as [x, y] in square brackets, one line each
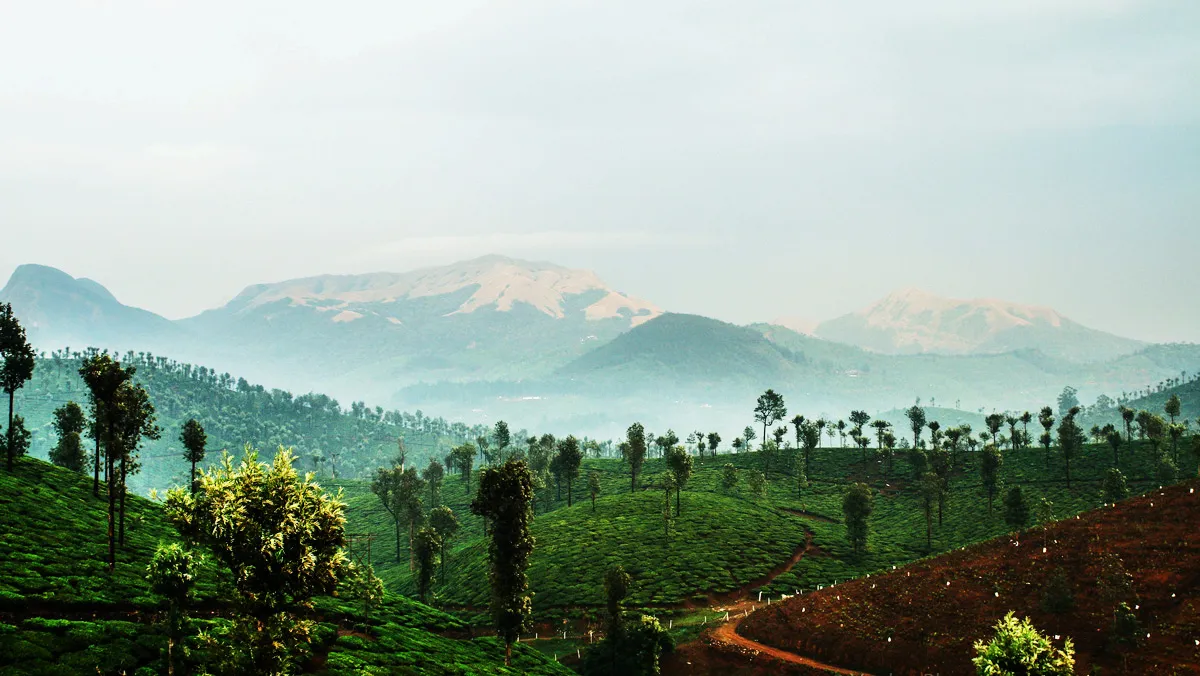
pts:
[932, 624]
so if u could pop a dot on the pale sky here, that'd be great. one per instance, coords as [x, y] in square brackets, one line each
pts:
[743, 160]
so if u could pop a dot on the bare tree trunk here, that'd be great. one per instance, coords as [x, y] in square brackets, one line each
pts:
[96, 476]
[9, 430]
[121, 529]
[112, 504]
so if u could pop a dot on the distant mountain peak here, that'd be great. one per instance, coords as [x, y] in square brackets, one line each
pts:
[913, 320]
[498, 283]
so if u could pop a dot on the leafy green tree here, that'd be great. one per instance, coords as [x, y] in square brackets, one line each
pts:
[1016, 510]
[69, 424]
[1067, 400]
[1126, 628]
[737, 445]
[1172, 407]
[994, 422]
[19, 360]
[433, 474]
[1046, 420]
[485, 450]
[857, 504]
[172, 575]
[194, 439]
[570, 457]
[810, 438]
[616, 588]
[989, 472]
[756, 481]
[714, 441]
[131, 418]
[408, 495]
[1070, 439]
[916, 421]
[729, 476]
[15, 443]
[1113, 437]
[502, 437]
[768, 410]
[1058, 597]
[594, 486]
[634, 452]
[445, 524]
[280, 535]
[930, 487]
[360, 582]
[666, 442]
[103, 376]
[386, 486]
[680, 465]
[464, 459]
[748, 437]
[1115, 488]
[504, 497]
[426, 545]
[1166, 471]
[881, 427]
[1128, 415]
[1019, 649]
[1175, 431]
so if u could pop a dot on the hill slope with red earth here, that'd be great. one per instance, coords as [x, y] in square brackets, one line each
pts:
[1144, 551]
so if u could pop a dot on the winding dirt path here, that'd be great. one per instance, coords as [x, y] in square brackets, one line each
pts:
[727, 634]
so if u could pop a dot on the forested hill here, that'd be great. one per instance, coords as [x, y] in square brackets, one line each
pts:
[327, 438]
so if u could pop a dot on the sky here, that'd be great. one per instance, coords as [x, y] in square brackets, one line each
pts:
[743, 160]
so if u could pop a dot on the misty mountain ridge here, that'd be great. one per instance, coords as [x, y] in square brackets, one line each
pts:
[912, 321]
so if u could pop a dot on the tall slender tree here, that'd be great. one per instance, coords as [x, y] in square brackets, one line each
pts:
[680, 465]
[570, 457]
[916, 421]
[18, 356]
[504, 497]
[502, 438]
[989, 471]
[1046, 420]
[386, 486]
[769, 409]
[1070, 439]
[69, 423]
[445, 523]
[194, 440]
[634, 452]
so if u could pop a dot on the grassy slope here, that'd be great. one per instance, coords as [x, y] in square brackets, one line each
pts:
[61, 612]
[728, 541]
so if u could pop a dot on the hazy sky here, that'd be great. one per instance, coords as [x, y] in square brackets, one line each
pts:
[744, 160]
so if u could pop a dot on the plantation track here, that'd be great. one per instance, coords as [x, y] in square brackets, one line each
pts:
[727, 634]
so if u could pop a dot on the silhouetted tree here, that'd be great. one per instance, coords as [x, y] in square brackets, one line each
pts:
[19, 360]
[1016, 510]
[502, 438]
[503, 501]
[194, 439]
[1070, 439]
[769, 409]
[1115, 488]
[69, 424]
[857, 505]
[989, 471]
[570, 457]
[426, 545]
[594, 486]
[916, 421]
[634, 452]
[680, 464]
[1046, 420]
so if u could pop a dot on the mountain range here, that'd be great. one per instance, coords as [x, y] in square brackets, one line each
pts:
[471, 336]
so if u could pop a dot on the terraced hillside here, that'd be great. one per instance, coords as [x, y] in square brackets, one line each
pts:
[61, 612]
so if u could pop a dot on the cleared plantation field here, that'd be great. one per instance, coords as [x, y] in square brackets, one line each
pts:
[932, 611]
[61, 612]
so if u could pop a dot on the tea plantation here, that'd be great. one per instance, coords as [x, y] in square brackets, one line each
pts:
[61, 612]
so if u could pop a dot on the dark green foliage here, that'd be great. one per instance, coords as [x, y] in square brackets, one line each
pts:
[172, 575]
[616, 588]
[633, 451]
[636, 651]
[194, 440]
[931, 487]
[19, 361]
[501, 437]
[1126, 628]
[916, 421]
[594, 486]
[1070, 439]
[69, 424]
[680, 464]
[504, 498]
[568, 460]
[729, 476]
[1016, 510]
[769, 409]
[1058, 596]
[426, 544]
[15, 442]
[433, 474]
[1115, 487]
[386, 486]
[445, 524]
[989, 472]
[857, 505]
[756, 481]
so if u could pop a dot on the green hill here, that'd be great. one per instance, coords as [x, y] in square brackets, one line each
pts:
[328, 437]
[62, 613]
[731, 540]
